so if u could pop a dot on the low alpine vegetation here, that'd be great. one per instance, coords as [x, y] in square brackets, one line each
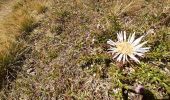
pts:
[69, 49]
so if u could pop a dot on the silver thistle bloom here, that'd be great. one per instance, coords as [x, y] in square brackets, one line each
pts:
[125, 48]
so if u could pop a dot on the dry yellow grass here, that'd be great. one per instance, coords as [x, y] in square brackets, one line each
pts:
[126, 6]
[19, 20]
[5, 40]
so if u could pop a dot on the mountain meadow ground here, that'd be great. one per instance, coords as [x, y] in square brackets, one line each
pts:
[58, 50]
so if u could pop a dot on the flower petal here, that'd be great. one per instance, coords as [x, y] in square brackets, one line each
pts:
[143, 50]
[137, 41]
[134, 58]
[119, 57]
[140, 45]
[115, 55]
[124, 58]
[112, 50]
[120, 35]
[139, 54]
[132, 38]
[129, 37]
[110, 42]
[124, 35]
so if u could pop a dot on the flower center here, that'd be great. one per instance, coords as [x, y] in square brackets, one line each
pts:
[124, 48]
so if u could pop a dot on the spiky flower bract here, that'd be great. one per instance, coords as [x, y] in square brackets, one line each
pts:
[126, 48]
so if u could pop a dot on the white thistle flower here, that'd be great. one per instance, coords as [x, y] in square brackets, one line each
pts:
[125, 48]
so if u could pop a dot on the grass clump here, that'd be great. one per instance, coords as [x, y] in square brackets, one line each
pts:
[11, 62]
[27, 25]
[18, 22]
